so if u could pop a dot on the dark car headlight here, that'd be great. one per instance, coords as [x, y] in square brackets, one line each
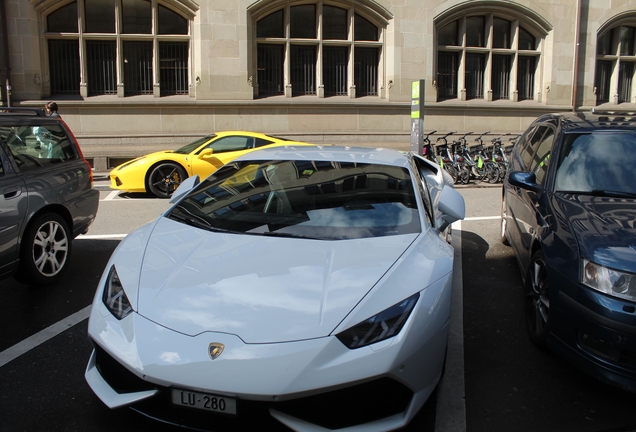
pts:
[115, 297]
[609, 281]
[384, 325]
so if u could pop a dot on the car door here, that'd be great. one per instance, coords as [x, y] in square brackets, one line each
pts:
[224, 150]
[522, 203]
[13, 210]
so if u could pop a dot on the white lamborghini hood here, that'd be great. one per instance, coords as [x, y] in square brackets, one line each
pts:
[261, 289]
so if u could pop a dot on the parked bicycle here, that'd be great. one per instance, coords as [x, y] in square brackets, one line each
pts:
[484, 169]
[427, 148]
[462, 159]
[445, 156]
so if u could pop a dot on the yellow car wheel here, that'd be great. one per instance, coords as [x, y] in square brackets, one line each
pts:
[165, 178]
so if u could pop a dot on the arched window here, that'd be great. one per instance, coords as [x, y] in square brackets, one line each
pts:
[121, 50]
[318, 49]
[486, 56]
[615, 58]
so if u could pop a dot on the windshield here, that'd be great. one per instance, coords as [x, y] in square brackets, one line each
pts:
[598, 162]
[189, 148]
[308, 199]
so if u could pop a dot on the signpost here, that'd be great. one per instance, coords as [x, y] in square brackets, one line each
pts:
[417, 116]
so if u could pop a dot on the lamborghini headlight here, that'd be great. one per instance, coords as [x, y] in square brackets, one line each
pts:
[115, 297]
[384, 325]
[609, 281]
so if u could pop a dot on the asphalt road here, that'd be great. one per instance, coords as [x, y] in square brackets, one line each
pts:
[509, 385]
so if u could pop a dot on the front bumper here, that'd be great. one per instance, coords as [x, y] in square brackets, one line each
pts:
[314, 384]
[127, 182]
[597, 333]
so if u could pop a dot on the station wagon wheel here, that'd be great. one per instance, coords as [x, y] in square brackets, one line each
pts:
[165, 178]
[45, 250]
[504, 221]
[537, 301]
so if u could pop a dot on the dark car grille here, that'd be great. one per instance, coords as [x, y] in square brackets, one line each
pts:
[357, 404]
[117, 376]
[609, 352]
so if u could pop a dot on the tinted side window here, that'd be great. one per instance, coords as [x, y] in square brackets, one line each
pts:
[541, 158]
[533, 141]
[425, 171]
[232, 143]
[33, 147]
[260, 142]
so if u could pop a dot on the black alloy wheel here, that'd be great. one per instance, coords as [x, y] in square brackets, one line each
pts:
[165, 178]
[537, 301]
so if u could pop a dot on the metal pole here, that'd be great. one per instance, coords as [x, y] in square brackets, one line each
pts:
[575, 77]
[5, 48]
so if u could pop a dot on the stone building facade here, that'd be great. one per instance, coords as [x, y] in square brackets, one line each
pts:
[132, 76]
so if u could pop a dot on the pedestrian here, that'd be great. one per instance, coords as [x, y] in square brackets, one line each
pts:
[51, 109]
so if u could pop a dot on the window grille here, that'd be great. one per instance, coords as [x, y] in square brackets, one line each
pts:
[475, 76]
[173, 64]
[525, 77]
[334, 72]
[303, 69]
[137, 68]
[101, 69]
[345, 51]
[447, 67]
[270, 70]
[64, 66]
[486, 39]
[366, 71]
[500, 77]
[105, 60]
[625, 75]
[603, 76]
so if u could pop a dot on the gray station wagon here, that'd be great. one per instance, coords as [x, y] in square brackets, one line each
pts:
[46, 195]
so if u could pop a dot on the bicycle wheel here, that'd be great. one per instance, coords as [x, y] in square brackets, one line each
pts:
[492, 172]
[464, 175]
[452, 171]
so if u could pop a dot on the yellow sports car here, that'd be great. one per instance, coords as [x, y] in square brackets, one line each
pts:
[160, 173]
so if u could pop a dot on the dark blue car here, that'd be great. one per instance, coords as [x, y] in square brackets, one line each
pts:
[569, 213]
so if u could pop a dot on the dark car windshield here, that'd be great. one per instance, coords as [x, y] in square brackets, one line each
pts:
[308, 199]
[189, 148]
[598, 163]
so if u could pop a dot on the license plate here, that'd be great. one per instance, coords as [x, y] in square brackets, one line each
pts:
[204, 401]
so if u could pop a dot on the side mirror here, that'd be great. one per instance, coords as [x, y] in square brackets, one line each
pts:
[186, 186]
[525, 180]
[206, 153]
[452, 205]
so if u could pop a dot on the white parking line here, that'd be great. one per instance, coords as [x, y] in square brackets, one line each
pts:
[111, 196]
[39, 338]
[482, 218]
[101, 237]
[450, 414]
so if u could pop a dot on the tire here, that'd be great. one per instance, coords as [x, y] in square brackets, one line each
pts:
[537, 301]
[164, 179]
[504, 222]
[502, 171]
[452, 171]
[44, 251]
[492, 173]
[464, 175]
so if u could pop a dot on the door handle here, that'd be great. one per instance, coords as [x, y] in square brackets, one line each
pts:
[12, 192]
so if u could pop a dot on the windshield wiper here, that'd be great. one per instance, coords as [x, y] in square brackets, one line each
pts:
[612, 193]
[288, 235]
[189, 220]
[198, 223]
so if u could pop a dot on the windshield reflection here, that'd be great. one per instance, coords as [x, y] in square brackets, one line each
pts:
[310, 199]
[597, 162]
